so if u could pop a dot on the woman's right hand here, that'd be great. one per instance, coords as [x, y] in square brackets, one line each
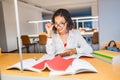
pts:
[49, 27]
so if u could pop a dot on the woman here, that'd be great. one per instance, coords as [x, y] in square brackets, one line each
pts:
[63, 39]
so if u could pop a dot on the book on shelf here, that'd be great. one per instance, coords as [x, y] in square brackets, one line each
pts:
[56, 65]
[107, 56]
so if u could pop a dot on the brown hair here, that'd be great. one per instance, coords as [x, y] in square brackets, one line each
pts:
[64, 13]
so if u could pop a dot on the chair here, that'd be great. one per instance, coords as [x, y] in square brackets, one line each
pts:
[0, 51]
[26, 42]
[42, 42]
[95, 41]
[83, 30]
[93, 29]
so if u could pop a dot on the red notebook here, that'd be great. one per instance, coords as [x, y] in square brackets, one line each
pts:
[58, 63]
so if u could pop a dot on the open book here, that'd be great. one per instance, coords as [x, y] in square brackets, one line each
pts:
[57, 65]
[27, 65]
[77, 66]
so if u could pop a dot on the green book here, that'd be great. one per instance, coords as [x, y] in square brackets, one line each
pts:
[103, 58]
[107, 56]
[106, 53]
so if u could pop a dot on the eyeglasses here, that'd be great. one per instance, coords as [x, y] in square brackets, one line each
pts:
[60, 25]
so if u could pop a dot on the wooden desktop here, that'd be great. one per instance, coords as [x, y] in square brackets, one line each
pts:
[106, 71]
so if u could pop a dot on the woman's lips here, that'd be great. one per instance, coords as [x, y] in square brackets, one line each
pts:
[61, 30]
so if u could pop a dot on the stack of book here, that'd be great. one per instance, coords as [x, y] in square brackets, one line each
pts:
[107, 56]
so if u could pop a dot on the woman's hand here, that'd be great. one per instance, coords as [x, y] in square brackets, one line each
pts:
[49, 27]
[67, 52]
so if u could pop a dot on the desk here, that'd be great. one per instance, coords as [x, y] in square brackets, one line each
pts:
[33, 39]
[106, 71]
[34, 36]
[37, 35]
[87, 34]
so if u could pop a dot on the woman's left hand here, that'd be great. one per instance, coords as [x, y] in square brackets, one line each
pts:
[66, 52]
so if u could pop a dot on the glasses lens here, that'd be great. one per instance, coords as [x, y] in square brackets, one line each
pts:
[55, 25]
[60, 25]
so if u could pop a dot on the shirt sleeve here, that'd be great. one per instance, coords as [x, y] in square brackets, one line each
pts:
[83, 46]
[50, 47]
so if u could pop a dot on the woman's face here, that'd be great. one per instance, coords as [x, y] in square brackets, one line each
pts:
[60, 24]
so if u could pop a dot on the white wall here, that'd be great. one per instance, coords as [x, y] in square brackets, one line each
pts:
[10, 25]
[26, 13]
[94, 10]
[109, 20]
[29, 13]
[3, 44]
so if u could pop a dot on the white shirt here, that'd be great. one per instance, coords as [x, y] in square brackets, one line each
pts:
[75, 40]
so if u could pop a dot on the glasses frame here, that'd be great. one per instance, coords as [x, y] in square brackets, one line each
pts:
[60, 25]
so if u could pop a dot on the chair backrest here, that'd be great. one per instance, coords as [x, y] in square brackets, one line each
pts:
[103, 45]
[0, 51]
[42, 39]
[95, 39]
[25, 40]
[83, 30]
[93, 29]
